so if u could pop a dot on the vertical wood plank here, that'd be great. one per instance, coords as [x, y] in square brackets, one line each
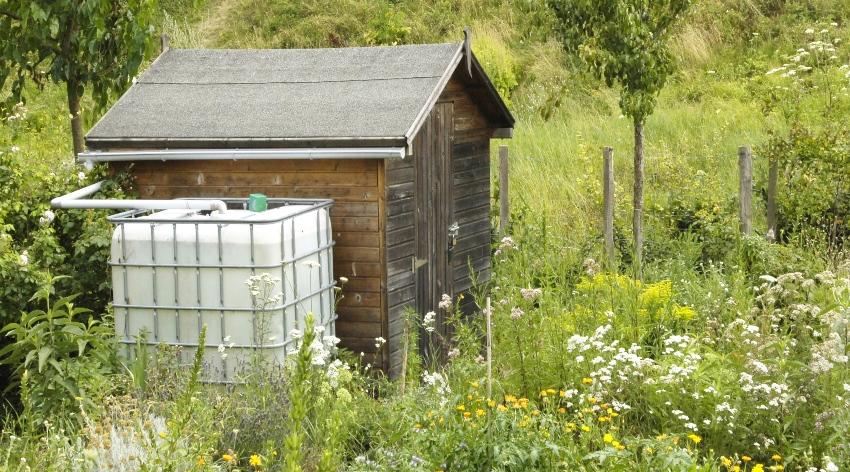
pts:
[772, 178]
[608, 203]
[745, 189]
[504, 208]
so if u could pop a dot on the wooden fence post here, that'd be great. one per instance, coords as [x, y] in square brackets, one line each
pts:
[772, 178]
[745, 189]
[608, 203]
[504, 209]
[164, 43]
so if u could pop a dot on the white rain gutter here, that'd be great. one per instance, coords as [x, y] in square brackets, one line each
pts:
[242, 154]
[76, 199]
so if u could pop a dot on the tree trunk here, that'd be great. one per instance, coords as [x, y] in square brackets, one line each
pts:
[76, 118]
[637, 222]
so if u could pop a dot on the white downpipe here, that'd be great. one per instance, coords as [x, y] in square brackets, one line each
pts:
[76, 199]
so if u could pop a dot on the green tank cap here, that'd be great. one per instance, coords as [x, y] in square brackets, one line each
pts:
[257, 202]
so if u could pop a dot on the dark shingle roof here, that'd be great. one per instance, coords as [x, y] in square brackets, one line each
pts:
[279, 94]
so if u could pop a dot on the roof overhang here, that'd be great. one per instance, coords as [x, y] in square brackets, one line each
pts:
[241, 154]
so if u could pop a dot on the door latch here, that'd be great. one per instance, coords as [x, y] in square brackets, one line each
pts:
[454, 230]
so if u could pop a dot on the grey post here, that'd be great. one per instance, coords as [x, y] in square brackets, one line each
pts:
[745, 190]
[608, 202]
[504, 209]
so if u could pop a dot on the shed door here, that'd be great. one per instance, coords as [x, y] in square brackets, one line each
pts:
[434, 216]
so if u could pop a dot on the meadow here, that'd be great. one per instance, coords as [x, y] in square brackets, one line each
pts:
[730, 353]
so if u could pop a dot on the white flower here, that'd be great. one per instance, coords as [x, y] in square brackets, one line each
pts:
[428, 321]
[810, 31]
[24, 258]
[221, 348]
[530, 293]
[445, 302]
[295, 333]
[331, 341]
[453, 353]
[14, 149]
[46, 218]
[379, 341]
[81, 176]
[516, 313]
[830, 466]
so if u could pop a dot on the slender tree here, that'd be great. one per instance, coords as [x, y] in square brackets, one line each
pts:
[81, 43]
[625, 43]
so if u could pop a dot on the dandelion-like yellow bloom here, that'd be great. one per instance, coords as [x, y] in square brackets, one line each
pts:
[562, 394]
[479, 412]
[510, 398]
[255, 460]
[695, 438]
[587, 381]
[585, 428]
[746, 458]
[502, 408]
[608, 438]
[466, 414]
[550, 391]
[776, 457]
[201, 460]
[726, 461]
[460, 408]
[228, 458]
[758, 468]
[777, 468]
[562, 410]
[491, 403]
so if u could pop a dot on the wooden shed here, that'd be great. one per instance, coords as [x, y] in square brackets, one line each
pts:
[398, 136]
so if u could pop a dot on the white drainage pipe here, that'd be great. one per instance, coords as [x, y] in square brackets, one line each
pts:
[76, 199]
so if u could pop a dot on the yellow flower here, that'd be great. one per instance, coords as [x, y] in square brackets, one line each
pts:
[608, 438]
[777, 468]
[510, 398]
[684, 312]
[617, 445]
[726, 461]
[474, 384]
[491, 403]
[585, 428]
[201, 460]
[502, 408]
[736, 468]
[746, 458]
[479, 412]
[562, 394]
[550, 391]
[695, 438]
[776, 457]
[163, 434]
[587, 381]
[570, 427]
[466, 414]
[255, 461]
[758, 468]
[562, 410]
[460, 408]
[535, 413]
[228, 458]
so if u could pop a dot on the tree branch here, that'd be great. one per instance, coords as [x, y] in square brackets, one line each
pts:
[10, 15]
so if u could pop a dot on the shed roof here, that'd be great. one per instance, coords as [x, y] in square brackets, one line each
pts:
[300, 97]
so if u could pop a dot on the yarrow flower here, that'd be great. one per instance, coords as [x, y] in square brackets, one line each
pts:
[428, 321]
[379, 342]
[445, 302]
[531, 294]
[516, 313]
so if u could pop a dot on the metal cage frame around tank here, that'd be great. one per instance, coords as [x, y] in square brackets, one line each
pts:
[327, 290]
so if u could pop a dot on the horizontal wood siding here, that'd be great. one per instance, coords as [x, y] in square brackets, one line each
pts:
[356, 219]
[401, 249]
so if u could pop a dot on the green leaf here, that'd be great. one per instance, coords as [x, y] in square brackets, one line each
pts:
[43, 355]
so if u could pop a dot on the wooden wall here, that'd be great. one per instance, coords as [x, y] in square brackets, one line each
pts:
[470, 208]
[357, 189]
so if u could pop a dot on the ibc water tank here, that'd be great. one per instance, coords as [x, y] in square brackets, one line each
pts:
[175, 271]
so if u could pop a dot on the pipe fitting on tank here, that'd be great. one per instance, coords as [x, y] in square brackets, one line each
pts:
[76, 199]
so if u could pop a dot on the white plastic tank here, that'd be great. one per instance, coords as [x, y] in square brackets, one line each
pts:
[174, 271]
